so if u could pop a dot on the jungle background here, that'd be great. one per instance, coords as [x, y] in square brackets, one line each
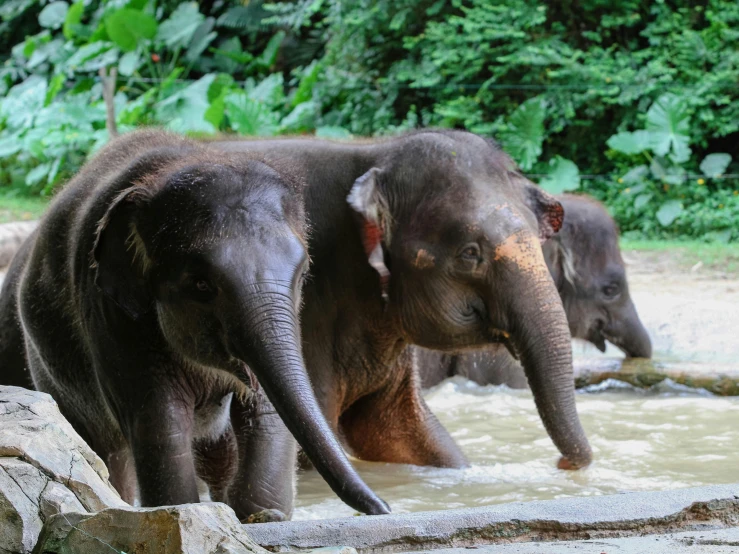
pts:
[635, 102]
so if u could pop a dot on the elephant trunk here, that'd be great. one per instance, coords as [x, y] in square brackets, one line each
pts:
[270, 346]
[541, 337]
[629, 334]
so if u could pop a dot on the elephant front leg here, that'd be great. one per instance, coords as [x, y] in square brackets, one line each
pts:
[395, 425]
[264, 486]
[161, 436]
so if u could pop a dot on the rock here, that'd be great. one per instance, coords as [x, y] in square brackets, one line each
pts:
[12, 236]
[187, 529]
[45, 468]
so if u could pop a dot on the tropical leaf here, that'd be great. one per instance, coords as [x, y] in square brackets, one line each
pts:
[669, 212]
[178, 30]
[201, 39]
[127, 28]
[248, 116]
[630, 143]
[564, 176]
[73, 19]
[668, 124]
[332, 132]
[714, 165]
[185, 110]
[53, 15]
[301, 119]
[642, 200]
[525, 132]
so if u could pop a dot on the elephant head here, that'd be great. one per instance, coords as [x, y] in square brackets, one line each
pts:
[219, 255]
[586, 264]
[454, 231]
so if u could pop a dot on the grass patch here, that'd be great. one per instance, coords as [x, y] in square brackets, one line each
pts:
[713, 255]
[14, 207]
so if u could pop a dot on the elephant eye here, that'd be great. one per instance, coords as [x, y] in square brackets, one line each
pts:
[202, 290]
[470, 252]
[611, 290]
[202, 285]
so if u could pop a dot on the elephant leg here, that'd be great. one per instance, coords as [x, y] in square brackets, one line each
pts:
[265, 479]
[395, 425]
[123, 474]
[161, 438]
[216, 462]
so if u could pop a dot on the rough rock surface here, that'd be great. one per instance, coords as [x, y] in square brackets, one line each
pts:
[45, 468]
[722, 541]
[617, 515]
[211, 528]
[11, 237]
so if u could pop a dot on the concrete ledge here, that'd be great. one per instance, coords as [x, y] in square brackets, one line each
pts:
[721, 541]
[564, 519]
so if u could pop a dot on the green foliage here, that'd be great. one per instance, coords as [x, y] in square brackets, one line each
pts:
[170, 60]
[633, 101]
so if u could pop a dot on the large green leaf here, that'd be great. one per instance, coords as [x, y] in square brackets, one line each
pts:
[128, 27]
[248, 116]
[73, 19]
[178, 30]
[270, 91]
[53, 15]
[563, 176]
[201, 39]
[669, 212]
[714, 165]
[630, 143]
[333, 132]
[525, 132]
[301, 119]
[23, 102]
[668, 124]
[185, 110]
[307, 81]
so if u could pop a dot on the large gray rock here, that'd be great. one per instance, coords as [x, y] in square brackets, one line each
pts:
[210, 528]
[45, 468]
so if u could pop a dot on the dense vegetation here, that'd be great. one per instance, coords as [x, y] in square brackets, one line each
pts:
[633, 101]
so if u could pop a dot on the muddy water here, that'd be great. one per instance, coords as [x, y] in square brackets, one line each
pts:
[668, 437]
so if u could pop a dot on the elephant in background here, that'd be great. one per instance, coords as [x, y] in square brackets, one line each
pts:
[158, 303]
[586, 265]
[431, 238]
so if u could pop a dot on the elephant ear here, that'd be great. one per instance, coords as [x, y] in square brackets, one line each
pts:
[548, 210]
[118, 256]
[367, 199]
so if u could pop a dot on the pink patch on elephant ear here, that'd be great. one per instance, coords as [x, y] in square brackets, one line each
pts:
[553, 217]
[372, 242]
[371, 236]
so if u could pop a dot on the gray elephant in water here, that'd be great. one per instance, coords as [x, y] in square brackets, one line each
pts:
[586, 265]
[158, 303]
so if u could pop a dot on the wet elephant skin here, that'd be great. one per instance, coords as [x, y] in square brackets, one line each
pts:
[585, 262]
[159, 304]
[431, 238]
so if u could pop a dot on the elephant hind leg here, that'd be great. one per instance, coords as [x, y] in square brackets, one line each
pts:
[216, 463]
[395, 425]
[123, 474]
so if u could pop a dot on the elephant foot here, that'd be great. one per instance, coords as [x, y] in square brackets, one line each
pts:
[265, 516]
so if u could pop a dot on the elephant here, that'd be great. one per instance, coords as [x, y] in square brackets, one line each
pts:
[159, 306]
[430, 238]
[586, 265]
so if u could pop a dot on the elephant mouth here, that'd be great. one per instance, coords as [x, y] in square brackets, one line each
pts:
[597, 337]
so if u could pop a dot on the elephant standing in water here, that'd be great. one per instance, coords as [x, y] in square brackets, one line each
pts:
[586, 265]
[433, 239]
[159, 302]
